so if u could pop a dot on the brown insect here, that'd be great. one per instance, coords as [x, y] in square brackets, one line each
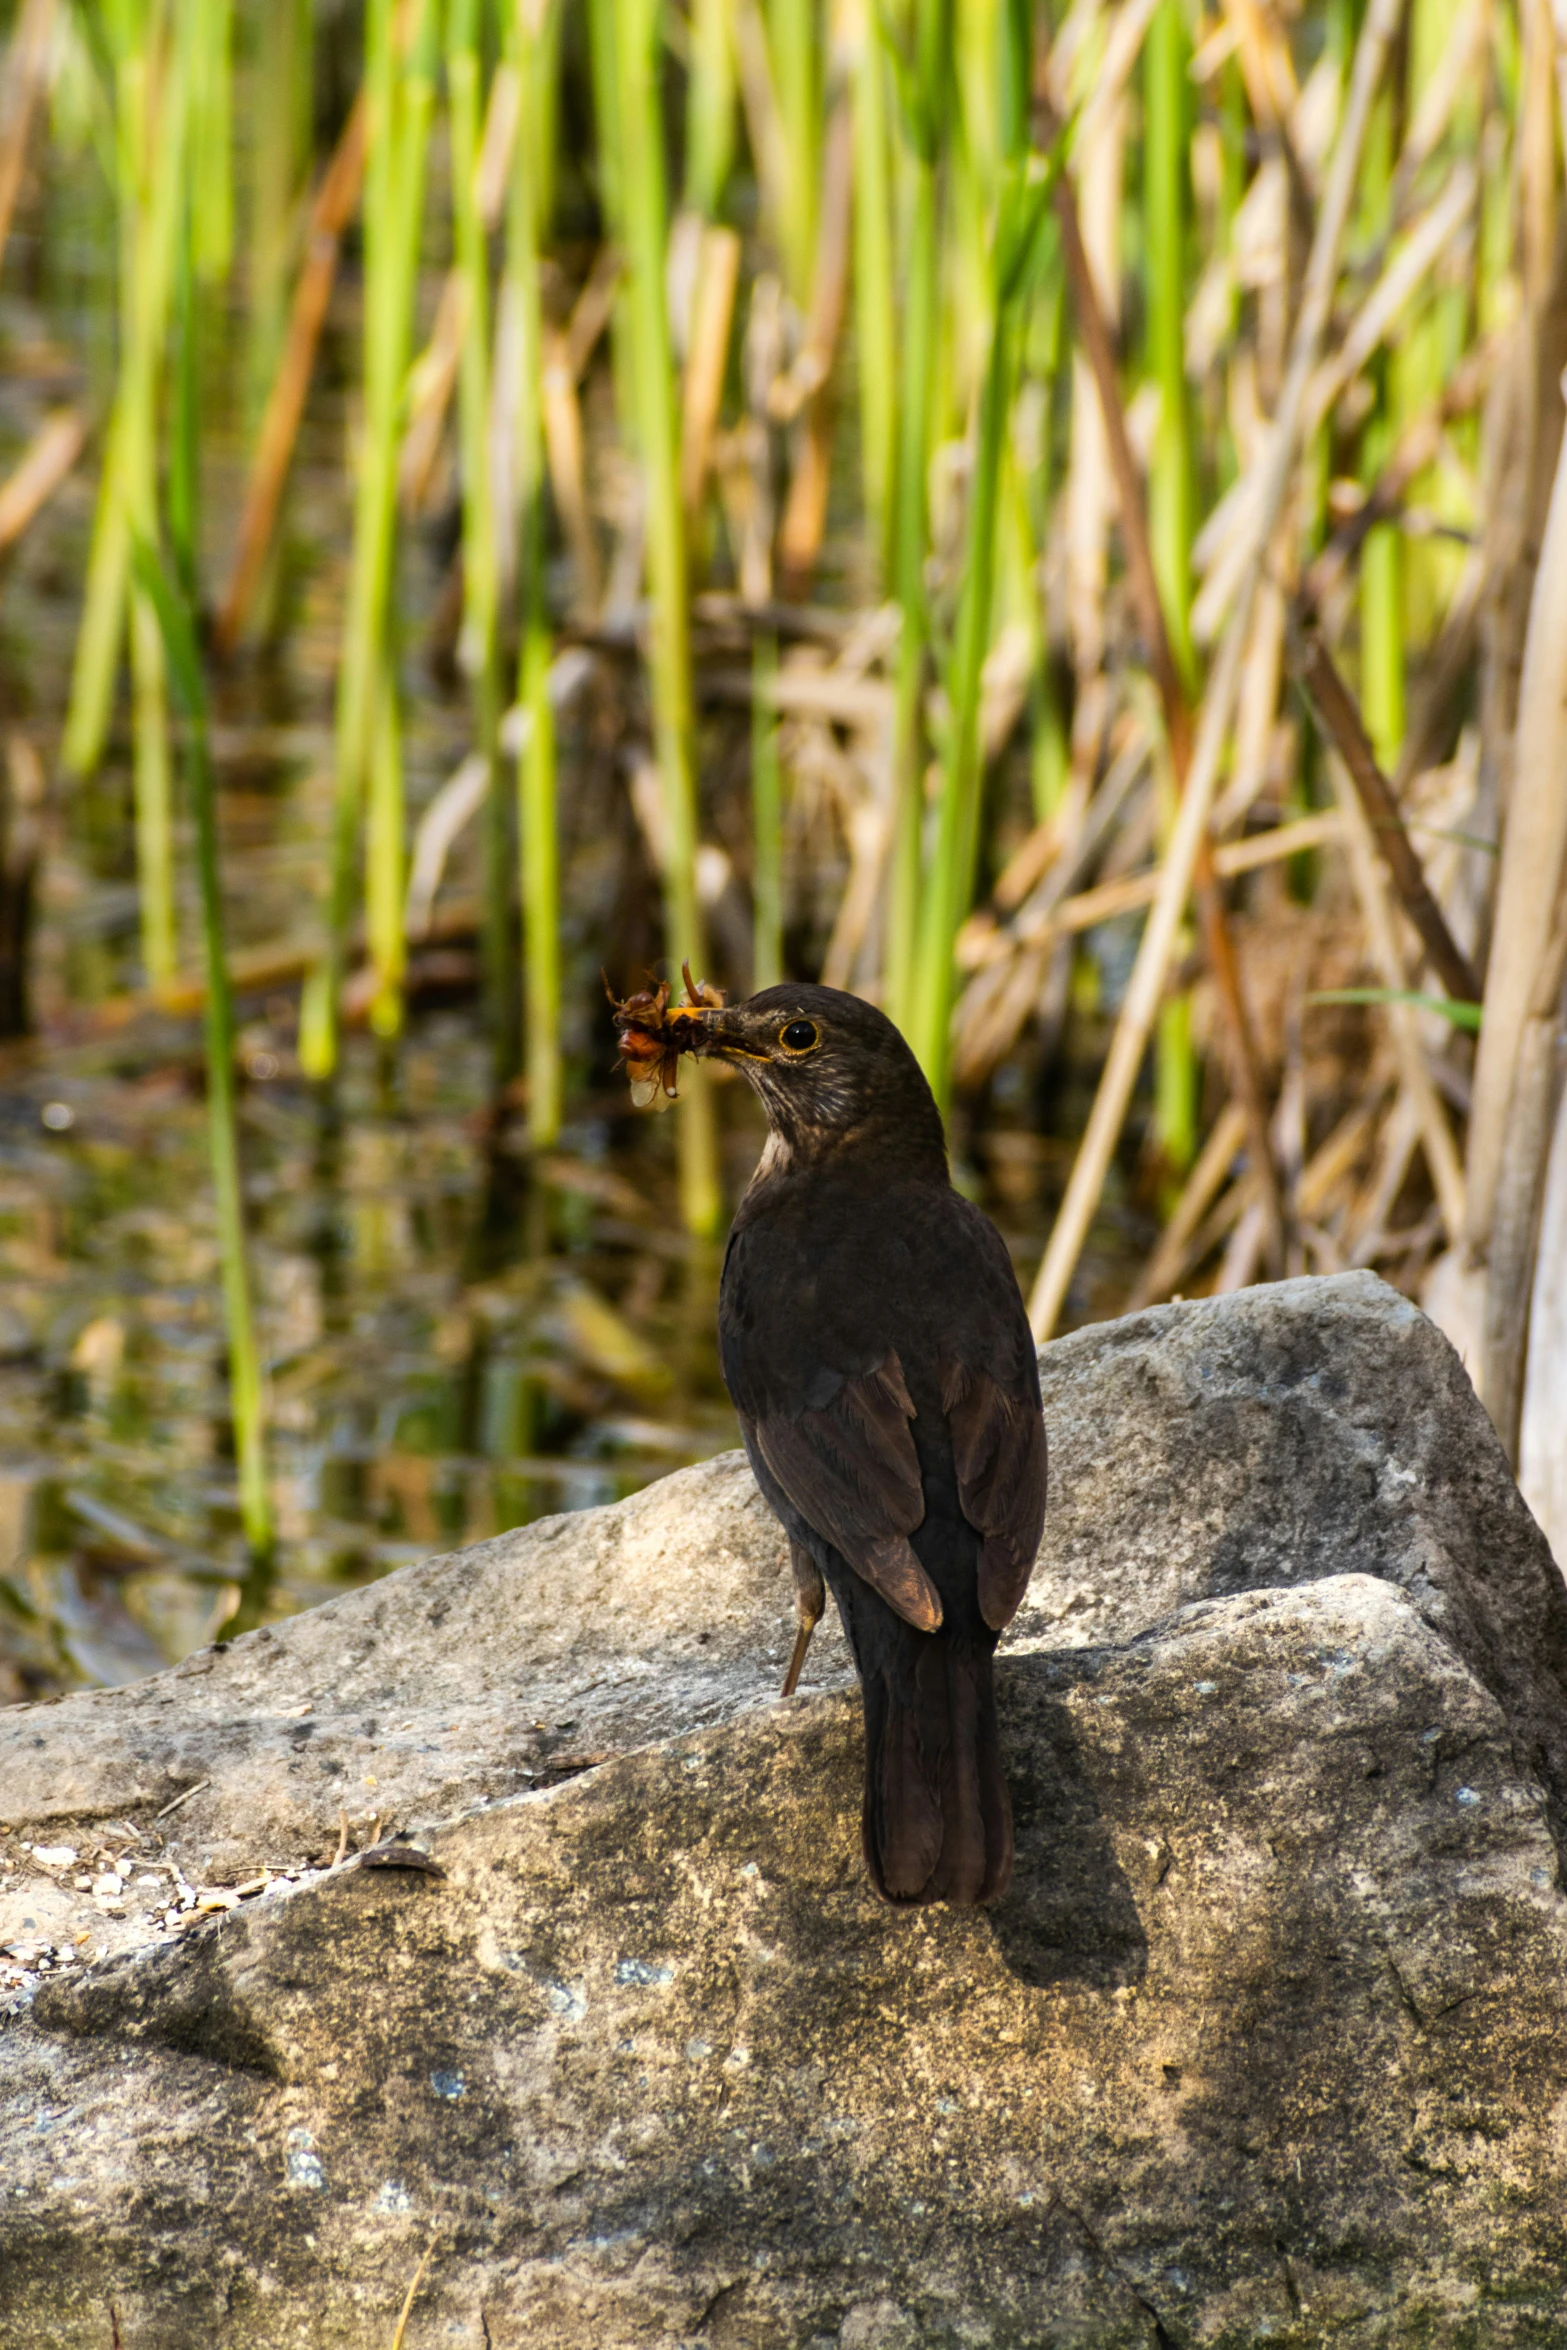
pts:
[654, 1033]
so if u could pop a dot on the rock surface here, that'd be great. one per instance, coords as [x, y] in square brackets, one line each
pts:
[1266, 2043]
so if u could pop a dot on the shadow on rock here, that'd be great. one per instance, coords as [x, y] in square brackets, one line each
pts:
[1070, 1916]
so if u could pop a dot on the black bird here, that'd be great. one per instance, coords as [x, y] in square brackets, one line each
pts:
[876, 1348]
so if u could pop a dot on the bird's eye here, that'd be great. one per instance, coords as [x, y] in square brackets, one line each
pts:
[799, 1036]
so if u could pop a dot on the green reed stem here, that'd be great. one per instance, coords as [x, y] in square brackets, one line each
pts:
[795, 44]
[605, 18]
[1382, 611]
[400, 96]
[170, 603]
[766, 820]
[1050, 755]
[1233, 124]
[385, 879]
[1381, 556]
[539, 834]
[281, 152]
[158, 117]
[535, 56]
[171, 615]
[873, 300]
[1051, 761]
[710, 108]
[211, 135]
[153, 787]
[609, 177]
[1166, 211]
[480, 545]
[642, 163]
[921, 324]
[949, 883]
[1177, 1089]
[150, 115]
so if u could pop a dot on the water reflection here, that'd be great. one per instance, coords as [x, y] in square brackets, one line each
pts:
[457, 1342]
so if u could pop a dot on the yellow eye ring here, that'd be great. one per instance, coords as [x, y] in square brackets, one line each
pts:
[799, 1036]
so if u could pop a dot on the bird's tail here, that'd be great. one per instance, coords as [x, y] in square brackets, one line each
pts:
[938, 1818]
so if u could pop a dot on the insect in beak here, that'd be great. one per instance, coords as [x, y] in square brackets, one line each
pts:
[654, 1033]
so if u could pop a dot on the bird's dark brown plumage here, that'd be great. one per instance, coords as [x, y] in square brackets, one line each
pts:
[875, 1344]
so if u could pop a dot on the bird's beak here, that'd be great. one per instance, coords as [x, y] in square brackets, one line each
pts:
[714, 1034]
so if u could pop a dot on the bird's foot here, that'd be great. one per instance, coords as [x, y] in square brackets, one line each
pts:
[810, 1597]
[802, 1641]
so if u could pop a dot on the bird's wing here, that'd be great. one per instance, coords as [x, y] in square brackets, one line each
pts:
[998, 1445]
[850, 1469]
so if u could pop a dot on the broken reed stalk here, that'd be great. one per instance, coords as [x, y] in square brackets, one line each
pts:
[1335, 705]
[400, 96]
[45, 464]
[173, 617]
[1387, 955]
[533, 33]
[641, 163]
[1146, 985]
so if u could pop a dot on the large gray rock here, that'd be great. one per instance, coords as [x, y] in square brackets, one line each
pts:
[1266, 2043]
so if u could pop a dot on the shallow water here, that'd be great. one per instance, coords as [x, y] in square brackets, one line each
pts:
[455, 1344]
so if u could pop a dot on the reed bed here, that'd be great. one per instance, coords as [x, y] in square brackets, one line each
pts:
[1055, 519]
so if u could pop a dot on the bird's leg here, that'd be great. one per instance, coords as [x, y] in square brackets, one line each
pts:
[810, 1597]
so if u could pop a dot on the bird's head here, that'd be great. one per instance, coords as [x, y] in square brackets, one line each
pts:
[830, 1070]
